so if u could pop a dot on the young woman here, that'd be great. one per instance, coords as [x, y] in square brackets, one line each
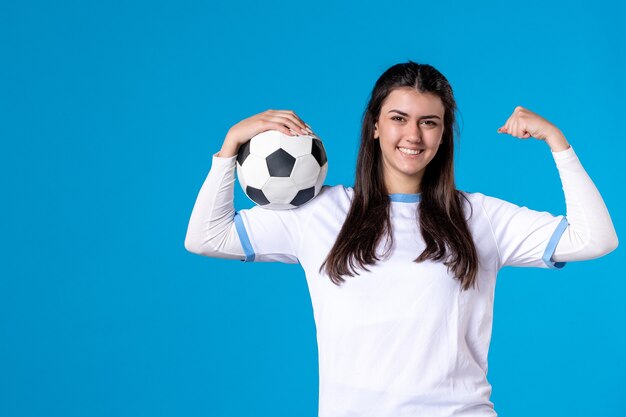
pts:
[402, 268]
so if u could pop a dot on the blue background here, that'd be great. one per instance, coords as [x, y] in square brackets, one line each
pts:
[110, 113]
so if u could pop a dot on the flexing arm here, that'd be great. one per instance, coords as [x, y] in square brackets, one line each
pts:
[590, 233]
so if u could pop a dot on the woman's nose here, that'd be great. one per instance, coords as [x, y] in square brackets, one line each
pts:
[414, 133]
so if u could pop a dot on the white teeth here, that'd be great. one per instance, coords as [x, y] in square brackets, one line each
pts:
[409, 151]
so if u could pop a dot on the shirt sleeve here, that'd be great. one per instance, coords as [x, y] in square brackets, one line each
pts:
[270, 235]
[590, 233]
[524, 237]
[257, 234]
[277, 235]
[211, 231]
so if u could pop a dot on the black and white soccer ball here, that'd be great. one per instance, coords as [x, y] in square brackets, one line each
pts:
[280, 172]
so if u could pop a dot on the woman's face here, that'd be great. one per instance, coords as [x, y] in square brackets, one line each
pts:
[409, 121]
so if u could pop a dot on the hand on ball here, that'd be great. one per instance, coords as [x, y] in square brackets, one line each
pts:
[285, 121]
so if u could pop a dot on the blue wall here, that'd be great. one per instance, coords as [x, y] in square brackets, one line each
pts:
[109, 115]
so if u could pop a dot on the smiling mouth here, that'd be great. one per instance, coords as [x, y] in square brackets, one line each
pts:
[410, 152]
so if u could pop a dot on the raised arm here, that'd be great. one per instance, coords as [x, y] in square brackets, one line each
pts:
[590, 232]
[212, 230]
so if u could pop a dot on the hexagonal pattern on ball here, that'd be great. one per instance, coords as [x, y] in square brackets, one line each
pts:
[280, 163]
[257, 196]
[243, 152]
[303, 196]
[280, 190]
[306, 171]
[298, 145]
[318, 151]
[265, 143]
[240, 177]
[322, 177]
[255, 171]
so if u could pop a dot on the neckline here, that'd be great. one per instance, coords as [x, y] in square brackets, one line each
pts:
[405, 198]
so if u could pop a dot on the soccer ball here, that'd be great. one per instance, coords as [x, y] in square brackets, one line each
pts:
[280, 172]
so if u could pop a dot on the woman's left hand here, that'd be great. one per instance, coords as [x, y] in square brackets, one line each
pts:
[523, 124]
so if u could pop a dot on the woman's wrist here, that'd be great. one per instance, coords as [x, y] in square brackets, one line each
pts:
[228, 150]
[557, 142]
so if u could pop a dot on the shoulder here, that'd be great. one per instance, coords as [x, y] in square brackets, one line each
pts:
[472, 196]
[332, 201]
[473, 199]
[498, 210]
[331, 195]
[483, 205]
[482, 200]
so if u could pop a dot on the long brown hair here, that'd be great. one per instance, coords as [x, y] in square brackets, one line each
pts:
[440, 211]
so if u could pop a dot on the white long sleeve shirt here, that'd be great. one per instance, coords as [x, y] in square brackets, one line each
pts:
[589, 234]
[403, 338]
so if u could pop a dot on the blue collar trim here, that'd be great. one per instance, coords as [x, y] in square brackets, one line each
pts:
[405, 198]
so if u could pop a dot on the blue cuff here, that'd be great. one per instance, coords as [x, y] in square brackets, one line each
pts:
[243, 238]
[547, 255]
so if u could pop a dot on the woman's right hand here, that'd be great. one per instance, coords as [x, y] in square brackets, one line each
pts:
[285, 121]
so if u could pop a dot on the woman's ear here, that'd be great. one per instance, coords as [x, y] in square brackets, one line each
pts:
[375, 130]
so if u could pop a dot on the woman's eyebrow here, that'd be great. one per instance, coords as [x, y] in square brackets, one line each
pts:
[430, 116]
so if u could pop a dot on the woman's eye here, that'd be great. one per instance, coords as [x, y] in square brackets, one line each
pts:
[397, 118]
[430, 123]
